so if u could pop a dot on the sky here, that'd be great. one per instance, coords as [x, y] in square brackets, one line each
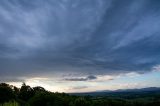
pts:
[80, 45]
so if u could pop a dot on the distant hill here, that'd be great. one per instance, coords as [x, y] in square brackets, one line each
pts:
[124, 93]
[139, 90]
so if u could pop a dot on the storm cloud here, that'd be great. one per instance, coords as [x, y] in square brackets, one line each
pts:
[79, 36]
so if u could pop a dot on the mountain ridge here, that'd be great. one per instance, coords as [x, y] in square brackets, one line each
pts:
[137, 91]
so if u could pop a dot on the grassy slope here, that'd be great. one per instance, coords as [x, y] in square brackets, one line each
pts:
[13, 103]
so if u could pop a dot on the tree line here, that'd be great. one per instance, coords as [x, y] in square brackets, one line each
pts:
[38, 96]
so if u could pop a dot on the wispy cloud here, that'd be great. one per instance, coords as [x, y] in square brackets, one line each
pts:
[79, 87]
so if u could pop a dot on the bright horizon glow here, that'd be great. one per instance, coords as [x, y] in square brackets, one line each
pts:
[126, 81]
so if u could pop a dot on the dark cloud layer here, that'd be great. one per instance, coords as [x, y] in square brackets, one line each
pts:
[91, 77]
[79, 36]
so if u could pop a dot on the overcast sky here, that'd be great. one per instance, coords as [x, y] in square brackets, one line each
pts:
[80, 45]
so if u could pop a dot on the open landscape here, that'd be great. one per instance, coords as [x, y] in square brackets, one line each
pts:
[79, 52]
[38, 96]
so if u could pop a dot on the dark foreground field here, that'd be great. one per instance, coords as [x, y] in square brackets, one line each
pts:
[38, 96]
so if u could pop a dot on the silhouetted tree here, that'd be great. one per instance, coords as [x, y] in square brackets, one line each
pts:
[26, 92]
[38, 89]
[6, 93]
